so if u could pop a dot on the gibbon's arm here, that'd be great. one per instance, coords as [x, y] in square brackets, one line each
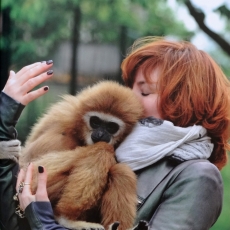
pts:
[58, 166]
[120, 200]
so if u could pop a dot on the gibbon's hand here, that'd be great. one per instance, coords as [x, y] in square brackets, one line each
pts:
[19, 84]
[142, 225]
[23, 183]
[10, 150]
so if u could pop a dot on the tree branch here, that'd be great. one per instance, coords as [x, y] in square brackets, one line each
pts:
[199, 16]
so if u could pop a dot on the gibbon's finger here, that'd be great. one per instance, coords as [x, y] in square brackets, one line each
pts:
[21, 176]
[34, 95]
[34, 71]
[41, 193]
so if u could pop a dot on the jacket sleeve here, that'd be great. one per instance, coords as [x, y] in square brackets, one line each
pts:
[40, 216]
[192, 200]
[10, 111]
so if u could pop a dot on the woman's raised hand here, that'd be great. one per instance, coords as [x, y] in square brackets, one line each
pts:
[20, 84]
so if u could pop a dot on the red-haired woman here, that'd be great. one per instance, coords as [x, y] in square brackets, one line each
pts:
[179, 147]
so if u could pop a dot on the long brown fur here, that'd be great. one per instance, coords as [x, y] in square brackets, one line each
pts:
[86, 180]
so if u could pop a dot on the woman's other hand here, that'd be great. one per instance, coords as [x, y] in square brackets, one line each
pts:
[23, 186]
[20, 84]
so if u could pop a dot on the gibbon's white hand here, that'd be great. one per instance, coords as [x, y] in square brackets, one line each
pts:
[26, 196]
[19, 85]
[10, 150]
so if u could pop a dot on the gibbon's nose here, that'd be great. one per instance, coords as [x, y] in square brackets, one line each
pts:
[100, 135]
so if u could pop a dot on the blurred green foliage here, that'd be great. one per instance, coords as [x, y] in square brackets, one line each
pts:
[39, 26]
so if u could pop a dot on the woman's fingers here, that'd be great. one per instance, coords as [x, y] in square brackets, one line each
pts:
[28, 179]
[25, 196]
[33, 82]
[27, 68]
[34, 94]
[34, 71]
[41, 194]
[20, 179]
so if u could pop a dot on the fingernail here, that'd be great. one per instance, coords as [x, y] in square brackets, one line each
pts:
[40, 169]
[49, 62]
[46, 88]
[50, 72]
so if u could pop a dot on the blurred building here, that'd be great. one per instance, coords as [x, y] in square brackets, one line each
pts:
[94, 62]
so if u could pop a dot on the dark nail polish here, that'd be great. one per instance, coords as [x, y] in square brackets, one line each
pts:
[50, 72]
[40, 169]
[46, 88]
[49, 62]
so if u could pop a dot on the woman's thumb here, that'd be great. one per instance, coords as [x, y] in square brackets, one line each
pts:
[41, 194]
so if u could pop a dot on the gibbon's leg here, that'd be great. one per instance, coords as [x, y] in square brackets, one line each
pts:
[87, 182]
[120, 200]
[82, 192]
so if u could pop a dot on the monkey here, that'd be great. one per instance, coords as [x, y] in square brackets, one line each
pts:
[75, 141]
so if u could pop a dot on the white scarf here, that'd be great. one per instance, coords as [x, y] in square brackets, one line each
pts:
[153, 139]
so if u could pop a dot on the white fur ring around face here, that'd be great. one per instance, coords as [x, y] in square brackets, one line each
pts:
[10, 150]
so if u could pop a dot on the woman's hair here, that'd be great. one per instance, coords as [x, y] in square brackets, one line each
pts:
[192, 88]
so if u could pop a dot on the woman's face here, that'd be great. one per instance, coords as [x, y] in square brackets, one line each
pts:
[147, 93]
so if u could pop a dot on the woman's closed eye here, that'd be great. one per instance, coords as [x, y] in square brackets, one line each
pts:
[145, 94]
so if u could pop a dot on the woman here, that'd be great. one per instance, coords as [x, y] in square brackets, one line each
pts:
[177, 149]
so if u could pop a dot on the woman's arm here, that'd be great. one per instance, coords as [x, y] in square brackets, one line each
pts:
[192, 200]
[16, 94]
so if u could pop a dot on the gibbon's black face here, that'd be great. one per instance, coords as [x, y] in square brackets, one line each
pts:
[102, 130]
[103, 127]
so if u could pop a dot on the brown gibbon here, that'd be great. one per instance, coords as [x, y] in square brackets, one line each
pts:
[75, 142]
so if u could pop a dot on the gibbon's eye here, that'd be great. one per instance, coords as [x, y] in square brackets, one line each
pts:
[112, 127]
[145, 94]
[95, 122]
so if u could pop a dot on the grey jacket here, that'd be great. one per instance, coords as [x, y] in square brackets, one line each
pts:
[180, 196]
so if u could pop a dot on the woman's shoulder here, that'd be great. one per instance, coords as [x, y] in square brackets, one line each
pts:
[200, 172]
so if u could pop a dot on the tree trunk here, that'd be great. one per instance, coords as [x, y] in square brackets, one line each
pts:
[75, 42]
[122, 49]
[5, 51]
